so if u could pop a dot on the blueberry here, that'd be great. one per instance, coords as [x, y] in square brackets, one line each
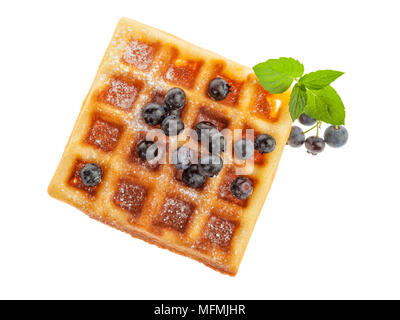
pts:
[217, 144]
[172, 126]
[192, 177]
[210, 165]
[336, 136]
[244, 149]
[306, 120]
[205, 131]
[242, 188]
[315, 145]
[182, 158]
[175, 99]
[264, 143]
[147, 150]
[296, 137]
[91, 174]
[153, 114]
[218, 89]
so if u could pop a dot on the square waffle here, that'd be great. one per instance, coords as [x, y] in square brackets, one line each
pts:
[151, 202]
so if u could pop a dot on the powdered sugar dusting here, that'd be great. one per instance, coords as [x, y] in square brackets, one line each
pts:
[139, 54]
[136, 122]
[103, 135]
[220, 231]
[183, 72]
[121, 94]
[170, 75]
[189, 193]
[130, 197]
[175, 214]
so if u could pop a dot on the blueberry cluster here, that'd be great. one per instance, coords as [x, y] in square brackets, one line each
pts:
[334, 136]
[168, 114]
[195, 173]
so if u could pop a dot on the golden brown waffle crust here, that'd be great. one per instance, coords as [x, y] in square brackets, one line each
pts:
[112, 157]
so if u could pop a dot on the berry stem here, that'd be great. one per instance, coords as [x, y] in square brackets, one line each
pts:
[319, 123]
[310, 129]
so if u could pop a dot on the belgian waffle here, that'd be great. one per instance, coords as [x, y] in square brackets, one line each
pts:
[151, 202]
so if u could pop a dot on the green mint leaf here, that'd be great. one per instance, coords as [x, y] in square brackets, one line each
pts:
[319, 79]
[298, 101]
[325, 105]
[277, 75]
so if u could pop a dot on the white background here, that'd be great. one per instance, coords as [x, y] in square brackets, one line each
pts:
[330, 227]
